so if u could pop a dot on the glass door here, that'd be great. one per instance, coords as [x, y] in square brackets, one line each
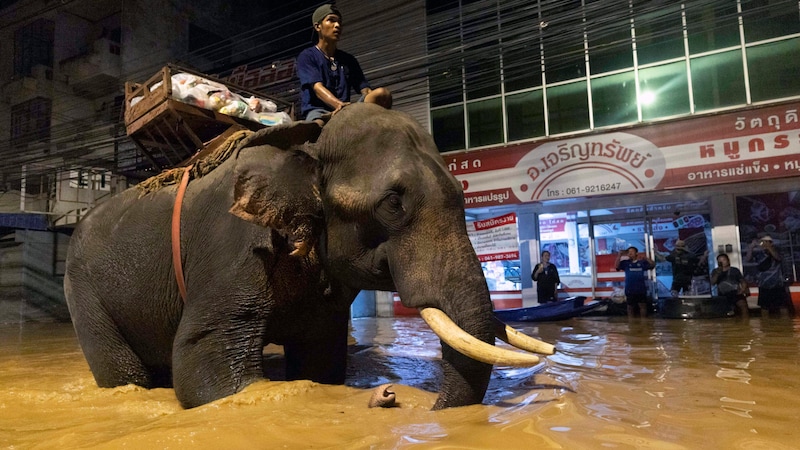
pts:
[610, 238]
[686, 237]
[566, 237]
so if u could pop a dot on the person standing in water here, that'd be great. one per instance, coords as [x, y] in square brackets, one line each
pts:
[684, 264]
[772, 295]
[635, 268]
[730, 284]
[546, 277]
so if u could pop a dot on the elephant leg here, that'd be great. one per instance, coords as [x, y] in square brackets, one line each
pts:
[324, 359]
[111, 359]
[214, 360]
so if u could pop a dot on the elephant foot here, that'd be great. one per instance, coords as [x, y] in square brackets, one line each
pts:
[301, 248]
[382, 397]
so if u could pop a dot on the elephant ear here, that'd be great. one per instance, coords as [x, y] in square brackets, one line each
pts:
[285, 135]
[278, 189]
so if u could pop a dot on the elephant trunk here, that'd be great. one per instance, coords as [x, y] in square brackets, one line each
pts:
[465, 380]
[451, 292]
[455, 285]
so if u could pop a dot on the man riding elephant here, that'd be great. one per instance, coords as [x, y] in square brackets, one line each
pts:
[274, 244]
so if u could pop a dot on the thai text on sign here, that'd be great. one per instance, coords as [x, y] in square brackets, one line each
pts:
[496, 238]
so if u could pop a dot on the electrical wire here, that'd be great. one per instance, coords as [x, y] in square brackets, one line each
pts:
[521, 37]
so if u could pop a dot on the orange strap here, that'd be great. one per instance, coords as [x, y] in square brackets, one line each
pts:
[176, 233]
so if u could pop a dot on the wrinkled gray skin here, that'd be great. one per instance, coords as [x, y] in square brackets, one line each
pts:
[374, 199]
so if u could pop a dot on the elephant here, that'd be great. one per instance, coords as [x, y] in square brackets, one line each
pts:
[275, 244]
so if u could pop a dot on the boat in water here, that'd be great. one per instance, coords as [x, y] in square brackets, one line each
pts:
[560, 310]
[694, 307]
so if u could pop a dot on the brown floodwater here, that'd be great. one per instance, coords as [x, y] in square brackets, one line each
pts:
[666, 384]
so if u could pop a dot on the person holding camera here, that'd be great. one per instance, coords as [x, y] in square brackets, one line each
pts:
[546, 277]
[730, 284]
[772, 293]
[684, 264]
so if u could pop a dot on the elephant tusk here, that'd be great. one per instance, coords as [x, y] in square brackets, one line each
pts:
[521, 340]
[468, 345]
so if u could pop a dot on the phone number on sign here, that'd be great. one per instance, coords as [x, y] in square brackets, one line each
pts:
[582, 190]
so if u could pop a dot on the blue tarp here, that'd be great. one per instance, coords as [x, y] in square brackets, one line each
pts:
[24, 221]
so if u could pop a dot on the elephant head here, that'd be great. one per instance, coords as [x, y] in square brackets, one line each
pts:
[394, 221]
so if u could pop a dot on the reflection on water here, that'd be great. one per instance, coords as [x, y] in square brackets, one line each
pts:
[613, 384]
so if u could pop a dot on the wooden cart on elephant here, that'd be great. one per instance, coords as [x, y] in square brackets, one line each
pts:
[178, 112]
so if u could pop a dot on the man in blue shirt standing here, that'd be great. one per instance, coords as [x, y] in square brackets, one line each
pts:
[635, 280]
[327, 74]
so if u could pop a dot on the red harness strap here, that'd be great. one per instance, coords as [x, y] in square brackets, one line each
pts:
[176, 233]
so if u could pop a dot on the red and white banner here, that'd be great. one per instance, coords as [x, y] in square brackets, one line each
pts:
[557, 225]
[740, 146]
[495, 239]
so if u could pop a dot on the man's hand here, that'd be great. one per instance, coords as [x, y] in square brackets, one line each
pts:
[340, 107]
[326, 96]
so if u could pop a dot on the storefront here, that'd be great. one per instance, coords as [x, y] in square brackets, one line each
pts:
[717, 182]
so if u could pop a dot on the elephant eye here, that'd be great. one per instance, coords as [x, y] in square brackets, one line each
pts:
[392, 212]
[391, 206]
[395, 202]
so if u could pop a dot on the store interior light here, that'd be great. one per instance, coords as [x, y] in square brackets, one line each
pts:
[647, 98]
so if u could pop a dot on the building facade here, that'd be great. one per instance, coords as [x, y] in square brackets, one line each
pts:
[63, 145]
[606, 124]
[594, 124]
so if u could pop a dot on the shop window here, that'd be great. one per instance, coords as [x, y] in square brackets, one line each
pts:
[30, 121]
[718, 81]
[448, 128]
[614, 99]
[482, 74]
[766, 19]
[502, 275]
[521, 47]
[694, 229]
[525, 115]
[33, 45]
[485, 122]
[35, 184]
[777, 216]
[664, 91]
[711, 25]
[522, 67]
[568, 244]
[563, 41]
[568, 108]
[445, 84]
[439, 6]
[567, 241]
[659, 31]
[611, 52]
[445, 72]
[773, 70]
[482, 59]
[609, 37]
